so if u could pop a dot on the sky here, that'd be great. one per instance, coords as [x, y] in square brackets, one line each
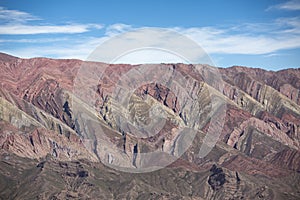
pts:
[256, 33]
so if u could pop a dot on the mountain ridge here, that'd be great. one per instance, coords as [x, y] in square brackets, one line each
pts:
[259, 140]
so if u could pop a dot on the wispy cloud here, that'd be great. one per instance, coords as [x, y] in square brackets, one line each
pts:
[73, 47]
[289, 5]
[15, 16]
[283, 33]
[37, 40]
[289, 25]
[21, 29]
[247, 39]
[14, 22]
[116, 29]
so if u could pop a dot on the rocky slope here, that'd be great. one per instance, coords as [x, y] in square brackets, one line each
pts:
[67, 133]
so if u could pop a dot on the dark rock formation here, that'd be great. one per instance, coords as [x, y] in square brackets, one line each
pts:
[217, 179]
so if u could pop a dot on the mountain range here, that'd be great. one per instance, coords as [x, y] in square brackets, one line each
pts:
[73, 129]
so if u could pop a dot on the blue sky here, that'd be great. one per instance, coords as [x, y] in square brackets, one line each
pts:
[257, 33]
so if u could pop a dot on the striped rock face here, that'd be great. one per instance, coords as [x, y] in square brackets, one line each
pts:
[184, 132]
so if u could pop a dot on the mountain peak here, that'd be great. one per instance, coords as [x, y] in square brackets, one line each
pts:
[7, 58]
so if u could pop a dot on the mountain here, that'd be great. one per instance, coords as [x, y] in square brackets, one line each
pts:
[72, 129]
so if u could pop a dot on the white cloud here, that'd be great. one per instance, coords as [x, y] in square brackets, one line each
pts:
[14, 22]
[37, 40]
[290, 25]
[76, 48]
[116, 29]
[283, 33]
[272, 55]
[250, 39]
[289, 5]
[21, 29]
[15, 16]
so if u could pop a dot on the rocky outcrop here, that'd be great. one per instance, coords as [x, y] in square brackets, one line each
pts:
[285, 81]
[288, 158]
[217, 179]
[40, 142]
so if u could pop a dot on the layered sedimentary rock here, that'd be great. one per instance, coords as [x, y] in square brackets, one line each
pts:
[61, 120]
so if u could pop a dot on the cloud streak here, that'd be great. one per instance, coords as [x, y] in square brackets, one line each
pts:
[243, 39]
[279, 35]
[253, 39]
[71, 47]
[14, 22]
[20, 29]
[15, 16]
[116, 29]
[289, 5]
